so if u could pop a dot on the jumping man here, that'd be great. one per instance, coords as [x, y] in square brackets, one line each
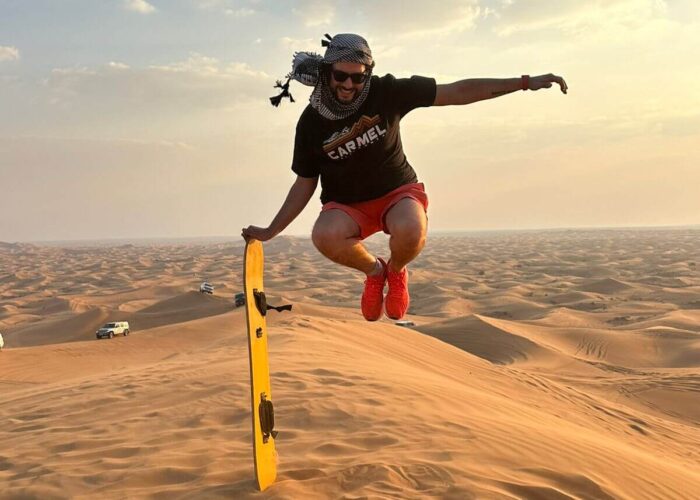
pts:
[348, 136]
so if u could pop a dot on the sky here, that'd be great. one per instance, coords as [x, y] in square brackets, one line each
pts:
[137, 119]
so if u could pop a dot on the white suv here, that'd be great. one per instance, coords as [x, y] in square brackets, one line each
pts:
[2, 342]
[112, 329]
[206, 288]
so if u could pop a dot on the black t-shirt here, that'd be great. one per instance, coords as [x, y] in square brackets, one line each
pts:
[360, 158]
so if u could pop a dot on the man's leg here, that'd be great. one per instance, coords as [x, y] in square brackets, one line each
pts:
[337, 236]
[407, 224]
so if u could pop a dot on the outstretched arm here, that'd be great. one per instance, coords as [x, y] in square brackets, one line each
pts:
[298, 197]
[479, 89]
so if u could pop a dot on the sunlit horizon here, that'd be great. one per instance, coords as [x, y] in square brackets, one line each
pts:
[236, 238]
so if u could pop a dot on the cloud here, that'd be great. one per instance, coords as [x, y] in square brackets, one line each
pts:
[300, 44]
[575, 17]
[315, 12]
[140, 6]
[383, 52]
[418, 18]
[8, 53]
[118, 65]
[209, 4]
[227, 7]
[200, 65]
[198, 83]
[238, 13]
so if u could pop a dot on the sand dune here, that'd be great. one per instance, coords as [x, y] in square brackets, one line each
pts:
[480, 337]
[541, 365]
[74, 327]
[181, 308]
[563, 316]
[688, 320]
[608, 286]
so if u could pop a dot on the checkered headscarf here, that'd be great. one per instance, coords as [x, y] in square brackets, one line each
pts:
[311, 69]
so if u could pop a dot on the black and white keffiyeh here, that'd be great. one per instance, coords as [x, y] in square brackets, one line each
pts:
[311, 69]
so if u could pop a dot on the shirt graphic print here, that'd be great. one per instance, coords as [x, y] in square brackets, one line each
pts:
[367, 130]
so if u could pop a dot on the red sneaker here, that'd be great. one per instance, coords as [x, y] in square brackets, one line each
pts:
[373, 295]
[397, 298]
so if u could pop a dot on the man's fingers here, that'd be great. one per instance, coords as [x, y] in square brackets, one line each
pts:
[254, 232]
[563, 85]
[551, 78]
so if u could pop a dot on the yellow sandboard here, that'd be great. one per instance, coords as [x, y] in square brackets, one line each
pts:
[265, 455]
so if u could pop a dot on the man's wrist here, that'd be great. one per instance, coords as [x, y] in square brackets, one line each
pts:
[525, 82]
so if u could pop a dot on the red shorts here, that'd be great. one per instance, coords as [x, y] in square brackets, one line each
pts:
[370, 214]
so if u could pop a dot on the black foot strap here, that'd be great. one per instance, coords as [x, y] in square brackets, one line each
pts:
[263, 306]
[267, 418]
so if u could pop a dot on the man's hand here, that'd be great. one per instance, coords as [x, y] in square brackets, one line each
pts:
[545, 81]
[257, 233]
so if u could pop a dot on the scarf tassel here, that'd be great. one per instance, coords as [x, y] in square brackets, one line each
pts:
[276, 100]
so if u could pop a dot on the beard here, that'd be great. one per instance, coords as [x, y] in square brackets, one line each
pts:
[345, 97]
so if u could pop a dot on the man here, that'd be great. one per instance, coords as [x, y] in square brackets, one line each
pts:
[349, 137]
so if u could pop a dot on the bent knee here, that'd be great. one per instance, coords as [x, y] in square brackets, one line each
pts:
[327, 238]
[408, 231]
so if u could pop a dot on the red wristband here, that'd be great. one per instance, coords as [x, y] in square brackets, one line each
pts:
[525, 82]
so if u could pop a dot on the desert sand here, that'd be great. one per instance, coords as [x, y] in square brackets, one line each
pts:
[542, 364]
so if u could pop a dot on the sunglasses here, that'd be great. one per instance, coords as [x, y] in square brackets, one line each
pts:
[341, 76]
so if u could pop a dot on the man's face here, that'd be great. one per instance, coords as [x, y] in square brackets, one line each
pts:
[346, 91]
